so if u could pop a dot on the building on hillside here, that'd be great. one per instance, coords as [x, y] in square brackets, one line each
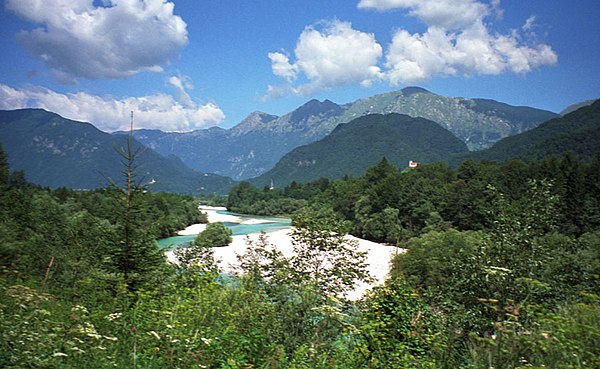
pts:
[413, 164]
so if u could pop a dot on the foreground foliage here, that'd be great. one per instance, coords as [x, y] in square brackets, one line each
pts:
[509, 282]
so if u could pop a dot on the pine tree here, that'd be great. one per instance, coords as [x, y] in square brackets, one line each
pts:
[136, 253]
[4, 167]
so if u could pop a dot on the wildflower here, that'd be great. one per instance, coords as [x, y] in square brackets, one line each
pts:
[152, 333]
[79, 309]
[87, 328]
[77, 350]
[206, 340]
[113, 316]
[59, 354]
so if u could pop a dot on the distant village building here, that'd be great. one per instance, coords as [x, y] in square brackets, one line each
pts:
[412, 164]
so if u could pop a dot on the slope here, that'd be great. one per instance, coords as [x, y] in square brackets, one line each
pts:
[353, 147]
[577, 132]
[477, 122]
[57, 152]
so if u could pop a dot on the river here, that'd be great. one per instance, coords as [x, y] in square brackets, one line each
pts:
[240, 224]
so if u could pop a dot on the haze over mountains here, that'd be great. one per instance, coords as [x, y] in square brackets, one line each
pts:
[257, 143]
[319, 139]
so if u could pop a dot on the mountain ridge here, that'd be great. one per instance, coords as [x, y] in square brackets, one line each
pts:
[57, 152]
[256, 144]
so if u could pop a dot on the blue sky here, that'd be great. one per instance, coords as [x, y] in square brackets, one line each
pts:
[189, 64]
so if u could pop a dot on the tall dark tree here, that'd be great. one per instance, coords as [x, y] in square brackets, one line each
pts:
[572, 193]
[4, 167]
[136, 253]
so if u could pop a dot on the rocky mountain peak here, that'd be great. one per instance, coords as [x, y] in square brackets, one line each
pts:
[411, 90]
[313, 108]
[252, 122]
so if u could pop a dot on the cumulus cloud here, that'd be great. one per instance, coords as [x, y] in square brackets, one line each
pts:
[159, 111]
[79, 39]
[328, 55]
[456, 42]
[280, 64]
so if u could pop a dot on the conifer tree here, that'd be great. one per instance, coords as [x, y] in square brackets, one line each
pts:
[136, 253]
[4, 166]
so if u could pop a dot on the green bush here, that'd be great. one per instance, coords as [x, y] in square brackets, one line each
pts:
[215, 235]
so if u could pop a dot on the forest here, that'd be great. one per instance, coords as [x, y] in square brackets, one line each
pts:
[501, 269]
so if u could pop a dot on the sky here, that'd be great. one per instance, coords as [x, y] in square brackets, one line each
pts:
[182, 65]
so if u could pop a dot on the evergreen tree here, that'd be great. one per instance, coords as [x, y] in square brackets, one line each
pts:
[4, 167]
[136, 253]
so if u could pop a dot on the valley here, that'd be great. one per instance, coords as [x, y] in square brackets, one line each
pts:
[367, 184]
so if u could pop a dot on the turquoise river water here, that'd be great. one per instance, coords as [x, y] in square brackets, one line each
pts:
[273, 224]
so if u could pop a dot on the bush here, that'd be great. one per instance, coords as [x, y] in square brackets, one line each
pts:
[215, 235]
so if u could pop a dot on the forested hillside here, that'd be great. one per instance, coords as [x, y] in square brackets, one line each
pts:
[577, 132]
[353, 147]
[58, 152]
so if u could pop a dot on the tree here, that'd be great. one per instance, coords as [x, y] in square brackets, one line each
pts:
[136, 253]
[4, 167]
[383, 226]
[324, 257]
[215, 235]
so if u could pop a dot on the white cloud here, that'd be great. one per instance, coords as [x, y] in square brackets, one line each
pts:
[181, 85]
[159, 111]
[448, 14]
[78, 39]
[456, 42]
[280, 64]
[330, 56]
[529, 23]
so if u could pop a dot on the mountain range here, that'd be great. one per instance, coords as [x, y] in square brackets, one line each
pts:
[256, 144]
[58, 152]
[353, 147]
[305, 144]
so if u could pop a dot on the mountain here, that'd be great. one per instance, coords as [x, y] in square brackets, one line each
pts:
[257, 143]
[251, 147]
[573, 107]
[477, 122]
[355, 146]
[58, 152]
[577, 132]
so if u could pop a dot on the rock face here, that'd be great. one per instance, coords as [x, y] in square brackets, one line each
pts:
[257, 143]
